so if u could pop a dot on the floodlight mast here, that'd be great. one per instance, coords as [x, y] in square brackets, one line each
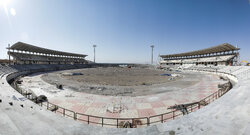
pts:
[94, 51]
[152, 46]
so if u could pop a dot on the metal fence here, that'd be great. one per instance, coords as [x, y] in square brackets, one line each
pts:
[119, 122]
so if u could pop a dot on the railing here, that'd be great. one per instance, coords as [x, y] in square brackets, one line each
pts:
[119, 122]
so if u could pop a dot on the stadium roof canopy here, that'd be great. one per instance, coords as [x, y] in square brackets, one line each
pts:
[31, 48]
[215, 49]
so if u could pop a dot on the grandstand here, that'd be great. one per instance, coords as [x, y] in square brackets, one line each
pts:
[224, 54]
[29, 54]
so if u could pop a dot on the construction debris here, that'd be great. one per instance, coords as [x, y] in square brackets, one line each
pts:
[125, 124]
[41, 99]
[128, 124]
[183, 107]
[165, 74]
[19, 81]
[59, 86]
[71, 74]
[225, 87]
[53, 108]
[203, 103]
[77, 73]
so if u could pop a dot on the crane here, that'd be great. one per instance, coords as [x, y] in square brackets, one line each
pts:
[247, 63]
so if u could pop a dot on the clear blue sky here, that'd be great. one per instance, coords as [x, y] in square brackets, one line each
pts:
[123, 30]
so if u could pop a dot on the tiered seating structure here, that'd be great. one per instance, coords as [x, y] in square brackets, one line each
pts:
[242, 72]
[225, 54]
[6, 70]
[28, 54]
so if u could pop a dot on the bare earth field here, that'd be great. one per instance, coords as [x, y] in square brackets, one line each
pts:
[122, 81]
[119, 76]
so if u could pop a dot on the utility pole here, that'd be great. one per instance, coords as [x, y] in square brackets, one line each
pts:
[94, 52]
[152, 46]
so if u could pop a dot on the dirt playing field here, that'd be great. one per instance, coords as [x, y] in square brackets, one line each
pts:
[122, 81]
[120, 76]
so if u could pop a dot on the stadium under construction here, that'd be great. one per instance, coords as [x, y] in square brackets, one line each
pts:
[49, 91]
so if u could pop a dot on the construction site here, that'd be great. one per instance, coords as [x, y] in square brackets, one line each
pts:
[124, 67]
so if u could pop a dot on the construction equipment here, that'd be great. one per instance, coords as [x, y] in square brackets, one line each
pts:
[247, 63]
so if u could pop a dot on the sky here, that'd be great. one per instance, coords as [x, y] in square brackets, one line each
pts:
[124, 30]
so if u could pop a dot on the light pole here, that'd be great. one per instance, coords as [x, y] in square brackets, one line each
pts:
[152, 46]
[94, 52]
